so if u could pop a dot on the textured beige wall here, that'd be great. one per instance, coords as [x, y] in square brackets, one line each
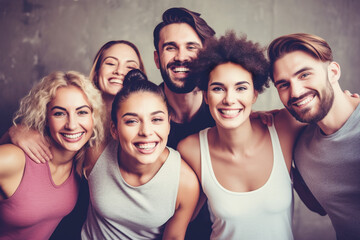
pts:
[40, 36]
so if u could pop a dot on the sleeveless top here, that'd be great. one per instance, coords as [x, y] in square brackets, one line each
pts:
[265, 213]
[118, 210]
[38, 204]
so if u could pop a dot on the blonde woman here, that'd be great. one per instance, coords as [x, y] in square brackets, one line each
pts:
[65, 109]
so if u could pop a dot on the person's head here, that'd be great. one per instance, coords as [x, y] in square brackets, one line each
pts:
[177, 40]
[140, 118]
[231, 71]
[304, 73]
[66, 108]
[112, 62]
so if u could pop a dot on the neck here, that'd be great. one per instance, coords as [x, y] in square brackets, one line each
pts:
[234, 140]
[342, 108]
[108, 99]
[185, 105]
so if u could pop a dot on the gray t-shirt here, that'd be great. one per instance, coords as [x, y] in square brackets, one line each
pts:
[330, 166]
[118, 210]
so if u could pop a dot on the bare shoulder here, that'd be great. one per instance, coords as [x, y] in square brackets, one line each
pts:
[91, 156]
[189, 184]
[189, 149]
[12, 160]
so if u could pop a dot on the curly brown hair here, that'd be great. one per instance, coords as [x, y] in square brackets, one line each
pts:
[230, 48]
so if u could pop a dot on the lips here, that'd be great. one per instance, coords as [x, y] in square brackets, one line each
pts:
[229, 113]
[72, 137]
[146, 147]
[116, 81]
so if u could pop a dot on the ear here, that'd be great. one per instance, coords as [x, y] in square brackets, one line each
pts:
[156, 59]
[334, 72]
[205, 97]
[113, 131]
[256, 94]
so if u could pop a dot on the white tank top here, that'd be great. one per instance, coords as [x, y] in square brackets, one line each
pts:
[265, 213]
[118, 210]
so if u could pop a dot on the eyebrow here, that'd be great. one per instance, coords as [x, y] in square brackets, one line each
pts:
[293, 75]
[135, 114]
[64, 109]
[236, 84]
[174, 44]
[130, 60]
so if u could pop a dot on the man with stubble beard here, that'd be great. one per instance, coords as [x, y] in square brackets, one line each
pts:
[177, 40]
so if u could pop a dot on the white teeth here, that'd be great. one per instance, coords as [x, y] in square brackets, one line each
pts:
[181, 69]
[230, 112]
[72, 136]
[116, 81]
[146, 145]
[306, 100]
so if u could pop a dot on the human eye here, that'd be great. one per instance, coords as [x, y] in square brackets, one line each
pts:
[83, 112]
[132, 67]
[59, 114]
[283, 86]
[110, 62]
[170, 48]
[130, 121]
[217, 89]
[304, 75]
[158, 120]
[241, 88]
[193, 47]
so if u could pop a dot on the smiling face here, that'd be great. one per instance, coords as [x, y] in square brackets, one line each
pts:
[304, 86]
[230, 95]
[69, 119]
[178, 46]
[143, 127]
[117, 61]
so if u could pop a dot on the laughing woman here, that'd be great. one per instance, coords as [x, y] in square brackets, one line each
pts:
[65, 108]
[139, 188]
[243, 165]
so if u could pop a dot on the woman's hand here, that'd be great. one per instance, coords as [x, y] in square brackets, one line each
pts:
[31, 142]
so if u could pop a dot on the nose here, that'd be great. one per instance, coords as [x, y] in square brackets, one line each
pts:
[72, 122]
[182, 55]
[145, 129]
[296, 90]
[120, 70]
[229, 98]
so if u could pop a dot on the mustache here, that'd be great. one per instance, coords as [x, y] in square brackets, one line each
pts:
[295, 99]
[178, 64]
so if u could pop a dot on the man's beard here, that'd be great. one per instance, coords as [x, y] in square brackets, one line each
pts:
[325, 105]
[188, 84]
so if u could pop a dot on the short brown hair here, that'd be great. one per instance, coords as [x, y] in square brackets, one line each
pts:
[311, 44]
[183, 15]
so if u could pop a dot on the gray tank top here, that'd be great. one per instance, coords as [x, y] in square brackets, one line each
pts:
[120, 211]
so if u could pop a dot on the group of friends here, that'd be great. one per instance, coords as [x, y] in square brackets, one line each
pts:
[124, 158]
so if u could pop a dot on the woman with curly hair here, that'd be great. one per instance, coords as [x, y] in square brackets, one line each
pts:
[66, 109]
[243, 165]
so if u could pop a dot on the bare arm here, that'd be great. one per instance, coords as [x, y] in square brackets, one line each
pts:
[188, 195]
[31, 142]
[12, 164]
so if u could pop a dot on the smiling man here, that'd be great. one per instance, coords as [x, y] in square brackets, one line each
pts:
[177, 40]
[327, 154]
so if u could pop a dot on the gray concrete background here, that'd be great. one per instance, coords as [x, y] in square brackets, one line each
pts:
[41, 36]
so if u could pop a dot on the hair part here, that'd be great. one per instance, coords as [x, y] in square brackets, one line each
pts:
[314, 45]
[94, 73]
[231, 49]
[135, 81]
[183, 15]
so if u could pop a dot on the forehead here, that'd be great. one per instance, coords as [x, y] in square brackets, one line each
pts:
[230, 72]
[178, 33]
[70, 96]
[121, 51]
[292, 62]
[142, 103]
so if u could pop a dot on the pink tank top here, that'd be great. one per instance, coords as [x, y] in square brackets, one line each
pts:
[38, 205]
